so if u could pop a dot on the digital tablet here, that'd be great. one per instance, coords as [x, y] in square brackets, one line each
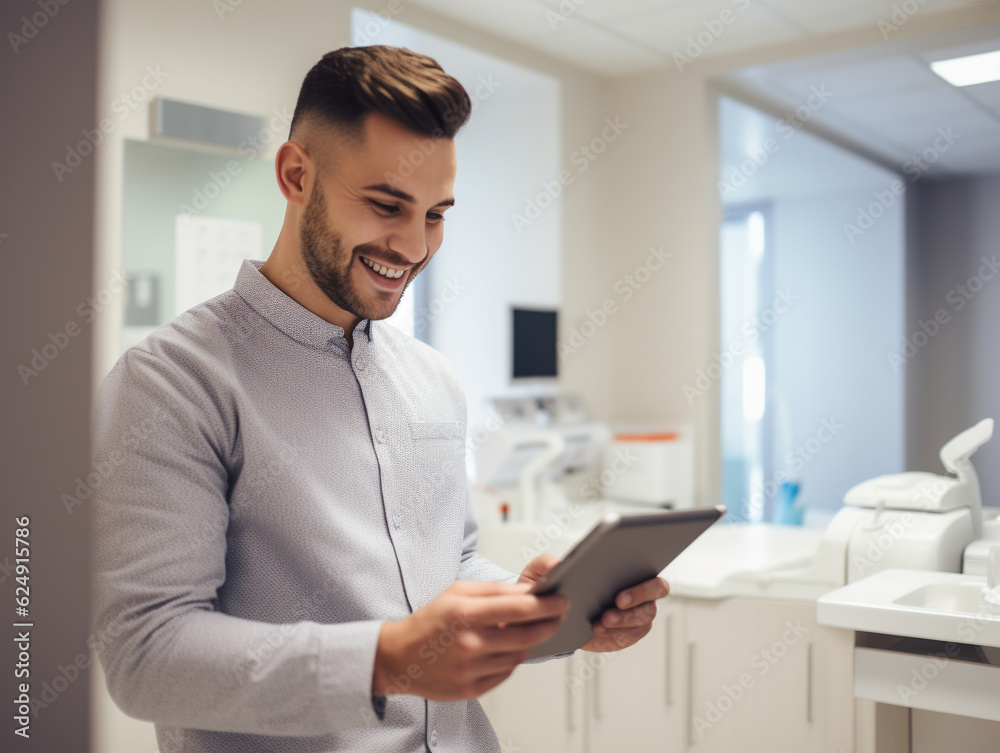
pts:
[619, 552]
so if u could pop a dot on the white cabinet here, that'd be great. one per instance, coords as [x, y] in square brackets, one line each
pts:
[763, 676]
[537, 710]
[636, 696]
[589, 703]
[738, 674]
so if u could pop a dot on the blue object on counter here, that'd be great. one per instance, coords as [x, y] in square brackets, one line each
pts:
[786, 511]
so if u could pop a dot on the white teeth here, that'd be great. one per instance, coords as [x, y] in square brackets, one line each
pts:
[383, 270]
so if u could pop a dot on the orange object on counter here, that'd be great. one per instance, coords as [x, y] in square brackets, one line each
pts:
[663, 437]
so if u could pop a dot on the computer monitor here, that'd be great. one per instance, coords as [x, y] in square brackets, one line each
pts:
[534, 334]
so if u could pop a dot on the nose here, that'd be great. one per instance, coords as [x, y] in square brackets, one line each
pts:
[410, 240]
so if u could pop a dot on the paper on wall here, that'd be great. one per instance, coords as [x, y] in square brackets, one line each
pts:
[209, 252]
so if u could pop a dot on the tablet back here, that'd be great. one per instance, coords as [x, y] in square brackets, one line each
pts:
[619, 552]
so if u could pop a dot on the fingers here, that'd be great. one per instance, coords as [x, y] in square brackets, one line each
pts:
[634, 617]
[650, 590]
[516, 608]
[518, 637]
[616, 639]
[485, 684]
[487, 588]
[538, 567]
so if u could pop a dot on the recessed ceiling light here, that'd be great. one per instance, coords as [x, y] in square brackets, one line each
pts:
[973, 69]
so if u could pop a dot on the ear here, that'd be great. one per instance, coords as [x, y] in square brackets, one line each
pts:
[295, 172]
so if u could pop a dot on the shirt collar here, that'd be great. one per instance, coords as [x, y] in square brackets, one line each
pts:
[287, 314]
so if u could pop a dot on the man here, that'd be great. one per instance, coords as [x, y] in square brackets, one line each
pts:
[285, 548]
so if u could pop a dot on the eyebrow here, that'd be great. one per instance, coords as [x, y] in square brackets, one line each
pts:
[403, 196]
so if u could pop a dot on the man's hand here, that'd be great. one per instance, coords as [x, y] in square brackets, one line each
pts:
[466, 641]
[617, 628]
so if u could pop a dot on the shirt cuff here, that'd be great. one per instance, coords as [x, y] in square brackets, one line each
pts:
[378, 704]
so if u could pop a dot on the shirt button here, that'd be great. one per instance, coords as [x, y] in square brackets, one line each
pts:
[359, 364]
[434, 737]
[397, 520]
[380, 435]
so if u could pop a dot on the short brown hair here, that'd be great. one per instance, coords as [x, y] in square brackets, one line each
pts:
[348, 84]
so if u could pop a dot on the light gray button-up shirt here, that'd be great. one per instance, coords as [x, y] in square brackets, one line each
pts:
[267, 499]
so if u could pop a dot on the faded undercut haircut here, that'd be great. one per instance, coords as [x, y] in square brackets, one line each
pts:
[348, 84]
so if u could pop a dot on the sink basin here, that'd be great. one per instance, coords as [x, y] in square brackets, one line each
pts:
[949, 597]
[940, 606]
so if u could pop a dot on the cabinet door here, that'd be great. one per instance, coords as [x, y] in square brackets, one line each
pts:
[832, 710]
[634, 697]
[750, 679]
[539, 709]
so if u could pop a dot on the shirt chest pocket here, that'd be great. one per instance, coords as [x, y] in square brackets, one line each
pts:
[439, 480]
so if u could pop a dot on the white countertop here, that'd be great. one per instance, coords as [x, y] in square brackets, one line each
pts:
[729, 559]
[748, 559]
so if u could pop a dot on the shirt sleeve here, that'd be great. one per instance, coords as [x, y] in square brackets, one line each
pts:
[163, 454]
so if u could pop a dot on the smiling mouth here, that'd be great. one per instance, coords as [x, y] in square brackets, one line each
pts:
[387, 272]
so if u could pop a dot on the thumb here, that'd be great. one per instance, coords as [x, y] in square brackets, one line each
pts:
[538, 567]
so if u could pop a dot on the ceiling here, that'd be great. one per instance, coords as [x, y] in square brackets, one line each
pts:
[614, 37]
[884, 100]
[890, 103]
